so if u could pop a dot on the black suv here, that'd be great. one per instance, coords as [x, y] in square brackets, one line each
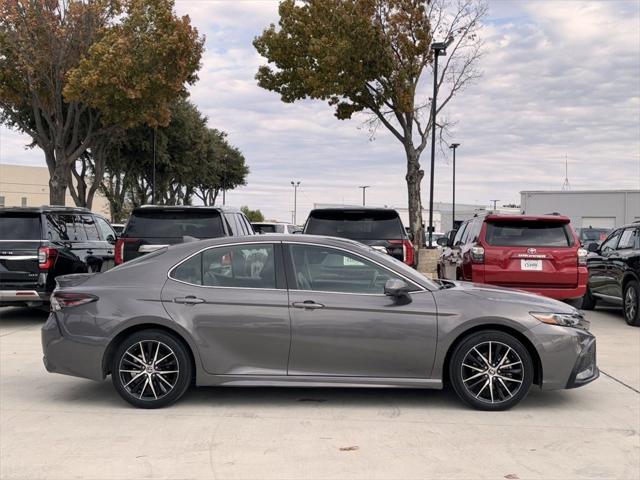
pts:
[38, 244]
[614, 272]
[380, 228]
[155, 226]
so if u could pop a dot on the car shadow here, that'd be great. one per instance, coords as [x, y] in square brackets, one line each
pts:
[19, 317]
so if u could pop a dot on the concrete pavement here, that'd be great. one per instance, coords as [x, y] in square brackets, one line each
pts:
[57, 427]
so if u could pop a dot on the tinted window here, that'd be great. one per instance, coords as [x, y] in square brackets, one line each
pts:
[105, 229]
[67, 228]
[19, 227]
[611, 243]
[235, 229]
[56, 228]
[628, 239]
[168, 224]
[357, 225]
[264, 228]
[90, 227]
[240, 266]
[457, 240]
[529, 234]
[330, 270]
[189, 271]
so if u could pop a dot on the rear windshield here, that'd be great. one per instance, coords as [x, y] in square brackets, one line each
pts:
[172, 224]
[266, 228]
[529, 234]
[19, 227]
[356, 225]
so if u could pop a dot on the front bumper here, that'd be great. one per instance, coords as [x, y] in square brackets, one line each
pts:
[585, 369]
[71, 355]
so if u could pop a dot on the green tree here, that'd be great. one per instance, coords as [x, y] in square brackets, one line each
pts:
[72, 70]
[370, 56]
[252, 215]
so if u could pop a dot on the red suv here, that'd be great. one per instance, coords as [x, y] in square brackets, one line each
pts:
[540, 254]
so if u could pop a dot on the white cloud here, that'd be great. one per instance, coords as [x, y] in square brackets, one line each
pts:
[559, 78]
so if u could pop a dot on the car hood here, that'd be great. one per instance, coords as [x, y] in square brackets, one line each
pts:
[506, 295]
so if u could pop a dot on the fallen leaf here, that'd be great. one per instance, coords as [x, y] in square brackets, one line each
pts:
[351, 449]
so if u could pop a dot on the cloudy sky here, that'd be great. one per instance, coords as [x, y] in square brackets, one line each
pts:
[559, 79]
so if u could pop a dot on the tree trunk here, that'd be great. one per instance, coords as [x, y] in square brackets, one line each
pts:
[58, 181]
[414, 180]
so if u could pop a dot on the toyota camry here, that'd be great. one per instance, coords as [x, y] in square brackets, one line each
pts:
[307, 311]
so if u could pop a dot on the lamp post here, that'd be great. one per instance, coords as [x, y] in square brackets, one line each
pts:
[364, 188]
[153, 183]
[453, 146]
[295, 201]
[439, 50]
[494, 204]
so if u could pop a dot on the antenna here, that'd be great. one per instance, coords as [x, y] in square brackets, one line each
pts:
[566, 185]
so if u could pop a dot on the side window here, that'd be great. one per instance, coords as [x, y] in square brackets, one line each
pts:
[189, 271]
[611, 243]
[243, 227]
[71, 227]
[239, 266]
[247, 224]
[459, 234]
[231, 219]
[628, 239]
[106, 230]
[330, 270]
[90, 228]
[56, 228]
[475, 230]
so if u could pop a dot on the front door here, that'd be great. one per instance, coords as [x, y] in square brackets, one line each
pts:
[600, 273]
[342, 324]
[234, 303]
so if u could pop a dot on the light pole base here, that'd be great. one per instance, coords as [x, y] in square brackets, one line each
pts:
[428, 261]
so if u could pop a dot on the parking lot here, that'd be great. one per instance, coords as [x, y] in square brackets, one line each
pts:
[58, 427]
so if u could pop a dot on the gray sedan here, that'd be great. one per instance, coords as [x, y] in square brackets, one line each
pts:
[307, 311]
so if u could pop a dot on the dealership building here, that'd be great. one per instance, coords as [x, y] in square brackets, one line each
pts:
[586, 208]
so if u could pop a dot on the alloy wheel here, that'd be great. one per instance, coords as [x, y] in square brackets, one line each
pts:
[631, 303]
[149, 370]
[492, 372]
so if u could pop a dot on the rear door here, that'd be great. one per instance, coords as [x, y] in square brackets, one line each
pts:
[20, 238]
[530, 253]
[150, 229]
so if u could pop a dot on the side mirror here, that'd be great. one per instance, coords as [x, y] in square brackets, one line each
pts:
[593, 247]
[397, 289]
[443, 241]
[111, 239]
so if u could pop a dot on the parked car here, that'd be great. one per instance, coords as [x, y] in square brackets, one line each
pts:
[308, 311]
[275, 227]
[540, 254]
[151, 227]
[589, 235]
[380, 228]
[38, 244]
[614, 272]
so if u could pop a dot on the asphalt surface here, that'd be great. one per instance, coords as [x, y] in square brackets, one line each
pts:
[57, 427]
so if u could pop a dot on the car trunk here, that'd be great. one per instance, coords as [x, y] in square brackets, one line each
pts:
[148, 231]
[20, 239]
[530, 254]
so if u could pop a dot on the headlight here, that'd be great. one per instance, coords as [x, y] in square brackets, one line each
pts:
[575, 320]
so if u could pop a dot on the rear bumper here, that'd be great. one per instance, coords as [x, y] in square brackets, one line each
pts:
[21, 297]
[559, 293]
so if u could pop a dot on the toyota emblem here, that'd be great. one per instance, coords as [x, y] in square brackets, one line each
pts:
[531, 250]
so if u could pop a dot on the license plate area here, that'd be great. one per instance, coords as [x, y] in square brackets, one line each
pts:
[531, 265]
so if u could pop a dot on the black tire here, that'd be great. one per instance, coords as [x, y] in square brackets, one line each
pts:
[167, 369]
[465, 361]
[589, 302]
[631, 303]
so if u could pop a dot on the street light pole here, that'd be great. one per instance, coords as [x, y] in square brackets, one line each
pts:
[364, 188]
[439, 49]
[153, 183]
[494, 204]
[295, 201]
[453, 146]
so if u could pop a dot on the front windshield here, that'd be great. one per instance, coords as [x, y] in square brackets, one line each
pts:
[404, 268]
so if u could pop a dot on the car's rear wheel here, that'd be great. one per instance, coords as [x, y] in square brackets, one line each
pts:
[588, 300]
[631, 303]
[151, 369]
[491, 370]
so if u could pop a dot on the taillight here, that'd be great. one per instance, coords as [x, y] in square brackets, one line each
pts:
[119, 254]
[60, 300]
[408, 254]
[47, 257]
[582, 256]
[477, 254]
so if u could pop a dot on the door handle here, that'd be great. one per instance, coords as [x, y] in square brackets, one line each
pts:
[190, 300]
[307, 305]
[90, 252]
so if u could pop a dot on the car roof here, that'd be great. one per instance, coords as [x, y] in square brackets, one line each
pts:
[47, 209]
[353, 209]
[496, 217]
[185, 208]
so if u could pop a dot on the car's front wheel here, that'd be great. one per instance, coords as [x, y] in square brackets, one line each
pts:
[491, 370]
[631, 303]
[151, 369]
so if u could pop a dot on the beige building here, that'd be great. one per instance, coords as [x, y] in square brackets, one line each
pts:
[26, 186]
